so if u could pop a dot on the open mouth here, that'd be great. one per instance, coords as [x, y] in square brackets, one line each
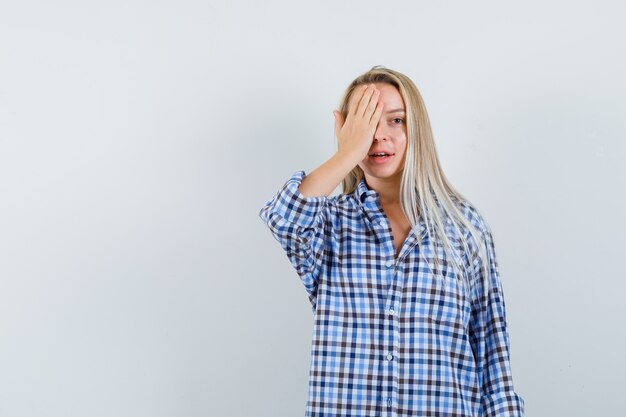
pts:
[380, 157]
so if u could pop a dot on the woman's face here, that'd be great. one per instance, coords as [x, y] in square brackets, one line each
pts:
[390, 137]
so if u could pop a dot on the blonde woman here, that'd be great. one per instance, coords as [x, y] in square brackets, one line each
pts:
[400, 269]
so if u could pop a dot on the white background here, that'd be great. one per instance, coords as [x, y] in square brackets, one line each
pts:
[139, 140]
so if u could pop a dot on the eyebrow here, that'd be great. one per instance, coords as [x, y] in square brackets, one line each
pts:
[396, 111]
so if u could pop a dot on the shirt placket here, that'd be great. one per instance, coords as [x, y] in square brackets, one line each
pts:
[391, 324]
[392, 273]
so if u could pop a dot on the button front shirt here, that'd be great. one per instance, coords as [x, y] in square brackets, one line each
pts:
[393, 336]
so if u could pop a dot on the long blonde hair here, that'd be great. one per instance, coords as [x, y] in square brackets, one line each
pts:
[423, 188]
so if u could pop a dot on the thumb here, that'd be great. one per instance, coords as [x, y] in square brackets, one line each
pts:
[338, 122]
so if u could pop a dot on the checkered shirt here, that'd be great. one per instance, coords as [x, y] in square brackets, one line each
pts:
[393, 336]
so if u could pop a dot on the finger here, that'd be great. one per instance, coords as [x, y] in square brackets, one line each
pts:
[378, 113]
[356, 97]
[371, 107]
[368, 97]
[365, 100]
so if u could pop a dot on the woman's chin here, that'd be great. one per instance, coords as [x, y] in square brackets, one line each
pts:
[382, 172]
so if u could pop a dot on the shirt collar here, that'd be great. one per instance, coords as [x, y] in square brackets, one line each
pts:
[362, 192]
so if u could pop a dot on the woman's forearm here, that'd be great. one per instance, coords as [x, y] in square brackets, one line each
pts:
[325, 178]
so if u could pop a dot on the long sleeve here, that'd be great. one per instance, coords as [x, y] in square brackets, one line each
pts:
[490, 339]
[298, 224]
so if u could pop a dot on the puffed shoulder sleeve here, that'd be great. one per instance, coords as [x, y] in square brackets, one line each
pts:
[300, 225]
[489, 337]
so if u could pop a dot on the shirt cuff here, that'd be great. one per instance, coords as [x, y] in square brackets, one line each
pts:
[294, 207]
[503, 404]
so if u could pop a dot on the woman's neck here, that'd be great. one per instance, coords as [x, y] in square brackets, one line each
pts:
[388, 189]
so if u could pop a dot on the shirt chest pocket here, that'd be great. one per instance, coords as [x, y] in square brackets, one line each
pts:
[437, 292]
[357, 280]
[355, 261]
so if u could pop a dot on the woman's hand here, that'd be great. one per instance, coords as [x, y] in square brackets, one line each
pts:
[356, 133]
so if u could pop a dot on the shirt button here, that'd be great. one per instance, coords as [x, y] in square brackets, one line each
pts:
[391, 312]
[389, 263]
[389, 401]
[390, 356]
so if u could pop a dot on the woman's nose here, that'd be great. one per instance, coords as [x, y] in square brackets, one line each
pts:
[379, 133]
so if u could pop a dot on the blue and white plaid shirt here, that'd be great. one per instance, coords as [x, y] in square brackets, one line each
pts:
[388, 338]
